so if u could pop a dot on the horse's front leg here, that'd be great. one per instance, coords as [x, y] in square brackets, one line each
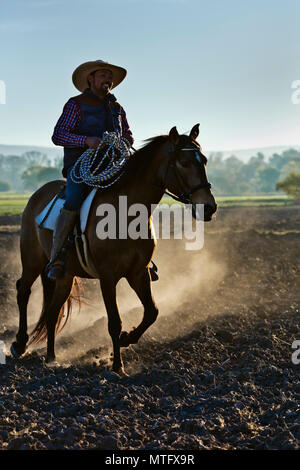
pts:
[23, 293]
[141, 284]
[108, 287]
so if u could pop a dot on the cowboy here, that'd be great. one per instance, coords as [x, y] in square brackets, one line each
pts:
[83, 121]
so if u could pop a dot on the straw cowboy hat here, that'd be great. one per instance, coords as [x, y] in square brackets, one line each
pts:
[81, 73]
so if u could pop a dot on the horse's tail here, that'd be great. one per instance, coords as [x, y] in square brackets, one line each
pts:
[39, 333]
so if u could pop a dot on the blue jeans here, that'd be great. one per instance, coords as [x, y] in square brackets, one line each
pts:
[75, 194]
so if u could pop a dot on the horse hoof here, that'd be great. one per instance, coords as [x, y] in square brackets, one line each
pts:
[51, 363]
[124, 341]
[121, 372]
[15, 350]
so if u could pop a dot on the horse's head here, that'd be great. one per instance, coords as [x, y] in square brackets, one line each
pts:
[187, 172]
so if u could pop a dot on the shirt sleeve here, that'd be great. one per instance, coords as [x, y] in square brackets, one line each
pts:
[64, 130]
[126, 132]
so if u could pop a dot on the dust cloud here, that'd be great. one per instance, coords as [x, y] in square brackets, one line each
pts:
[185, 277]
[188, 282]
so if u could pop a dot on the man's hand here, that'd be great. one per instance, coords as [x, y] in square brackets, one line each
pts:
[92, 142]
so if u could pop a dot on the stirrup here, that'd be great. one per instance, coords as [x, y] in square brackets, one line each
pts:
[57, 265]
[60, 259]
[55, 270]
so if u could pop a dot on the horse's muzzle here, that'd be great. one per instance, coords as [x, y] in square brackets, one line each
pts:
[209, 211]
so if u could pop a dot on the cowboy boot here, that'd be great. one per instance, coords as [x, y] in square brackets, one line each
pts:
[63, 227]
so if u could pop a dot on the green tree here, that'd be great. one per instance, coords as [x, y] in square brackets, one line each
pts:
[4, 186]
[249, 171]
[34, 158]
[38, 175]
[290, 185]
[30, 177]
[277, 161]
[58, 161]
[266, 179]
[12, 167]
[291, 165]
[50, 173]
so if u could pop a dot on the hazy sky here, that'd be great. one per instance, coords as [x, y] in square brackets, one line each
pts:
[227, 64]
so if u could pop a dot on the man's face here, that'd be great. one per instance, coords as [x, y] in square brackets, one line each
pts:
[101, 80]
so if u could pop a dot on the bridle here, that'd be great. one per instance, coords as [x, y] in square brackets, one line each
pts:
[184, 196]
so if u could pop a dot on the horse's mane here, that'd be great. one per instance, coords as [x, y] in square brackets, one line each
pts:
[138, 161]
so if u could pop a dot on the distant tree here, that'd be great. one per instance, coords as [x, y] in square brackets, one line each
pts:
[233, 163]
[290, 185]
[34, 158]
[260, 156]
[12, 167]
[243, 188]
[291, 154]
[58, 161]
[288, 167]
[4, 186]
[50, 173]
[30, 177]
[266, 179]
[277, 161]
[37, 175]
[249, 171]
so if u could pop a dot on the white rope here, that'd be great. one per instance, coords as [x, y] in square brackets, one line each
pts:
[114, 158]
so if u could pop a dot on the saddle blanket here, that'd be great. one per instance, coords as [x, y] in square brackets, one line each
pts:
[50, 220]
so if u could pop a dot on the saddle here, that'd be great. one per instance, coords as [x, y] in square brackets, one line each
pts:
[46, 219]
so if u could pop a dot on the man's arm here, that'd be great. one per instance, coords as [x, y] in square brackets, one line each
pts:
[126, 132]
[67, 122]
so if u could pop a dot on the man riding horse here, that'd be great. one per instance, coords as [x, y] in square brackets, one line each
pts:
[84, 120]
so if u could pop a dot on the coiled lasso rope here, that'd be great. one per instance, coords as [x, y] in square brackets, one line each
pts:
[108, 170]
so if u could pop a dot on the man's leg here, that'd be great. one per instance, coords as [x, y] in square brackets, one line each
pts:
[66, 220]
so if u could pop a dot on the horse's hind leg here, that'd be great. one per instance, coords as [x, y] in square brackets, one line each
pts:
[61, 293]
[32, 268]
[141, 284]
[108, 287]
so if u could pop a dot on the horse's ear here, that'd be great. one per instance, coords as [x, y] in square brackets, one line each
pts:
[194, 132]
[174, 136]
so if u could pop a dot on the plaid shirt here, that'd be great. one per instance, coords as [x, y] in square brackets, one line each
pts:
[64, 130]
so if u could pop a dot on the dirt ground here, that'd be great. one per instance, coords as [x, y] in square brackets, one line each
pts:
[214, 372]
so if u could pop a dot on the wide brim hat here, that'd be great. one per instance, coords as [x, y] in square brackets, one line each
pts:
[82, 72]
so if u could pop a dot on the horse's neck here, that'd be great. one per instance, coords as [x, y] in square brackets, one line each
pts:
[147, 186]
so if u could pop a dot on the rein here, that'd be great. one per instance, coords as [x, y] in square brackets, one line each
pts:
[184, 196]
[92, 173]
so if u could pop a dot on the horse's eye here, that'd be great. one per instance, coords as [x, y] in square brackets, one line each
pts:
[184, 163]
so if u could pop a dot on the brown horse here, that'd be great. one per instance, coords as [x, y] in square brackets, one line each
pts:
[174, 162]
